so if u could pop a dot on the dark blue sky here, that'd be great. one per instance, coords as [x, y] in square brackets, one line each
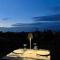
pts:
[22, 12]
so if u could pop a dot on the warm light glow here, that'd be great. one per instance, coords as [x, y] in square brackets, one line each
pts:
[30, 54]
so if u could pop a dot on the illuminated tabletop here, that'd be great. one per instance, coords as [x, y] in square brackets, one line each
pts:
[29, 54]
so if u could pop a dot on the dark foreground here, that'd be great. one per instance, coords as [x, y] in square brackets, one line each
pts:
[10, 41]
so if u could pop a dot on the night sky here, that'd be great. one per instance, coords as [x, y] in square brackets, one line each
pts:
[42, 14]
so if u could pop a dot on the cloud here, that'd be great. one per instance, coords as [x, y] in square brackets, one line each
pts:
[48, 18]
[26, 24]
[5, 18]
[42, 22]
[36, 26]
[39, 25]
